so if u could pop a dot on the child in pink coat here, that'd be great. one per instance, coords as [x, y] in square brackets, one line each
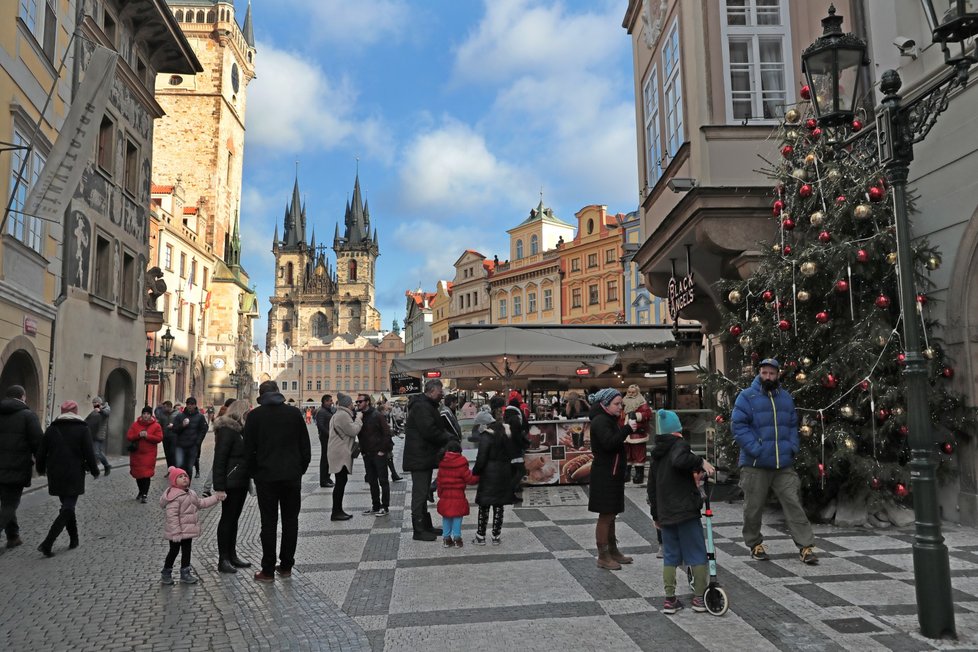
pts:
[180, 525]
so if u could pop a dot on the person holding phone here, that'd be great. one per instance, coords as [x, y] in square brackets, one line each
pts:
[143, 436]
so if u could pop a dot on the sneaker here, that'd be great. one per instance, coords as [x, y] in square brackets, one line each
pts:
[479, 540]
[327, 484]
[448, 542]
[370, 512]
[807, 555]
[699, 606]
[283, 571]
[14, 541]
[143, 499]
[383, 511]
[496, 539]
[261, 577]
[458, 542]
[671, 605]
[759, 553]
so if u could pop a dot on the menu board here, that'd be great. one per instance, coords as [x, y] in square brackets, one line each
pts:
[559, 452]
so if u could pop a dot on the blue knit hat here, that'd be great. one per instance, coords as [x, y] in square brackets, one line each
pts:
[667, 422]
[604, 396]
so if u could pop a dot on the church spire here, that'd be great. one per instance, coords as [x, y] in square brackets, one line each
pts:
[247, 30]
[357, 221]
[295, 219]
[233, 254]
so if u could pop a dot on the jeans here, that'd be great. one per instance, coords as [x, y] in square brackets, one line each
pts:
[451, 526]
[184, 456]
[99, 447]
[272, 496]
[683, 543]
[420, 483]
[9, 501]
[339, 489]
[227, 527]
[380, 488]
[787, 487]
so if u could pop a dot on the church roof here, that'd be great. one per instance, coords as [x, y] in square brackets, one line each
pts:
[247, 30]
[356, 222]
[295, 219]
[544, 214]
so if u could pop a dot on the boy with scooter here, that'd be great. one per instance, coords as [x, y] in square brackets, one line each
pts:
[675, 499]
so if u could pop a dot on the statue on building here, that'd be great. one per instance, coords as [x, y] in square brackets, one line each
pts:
[155, 287]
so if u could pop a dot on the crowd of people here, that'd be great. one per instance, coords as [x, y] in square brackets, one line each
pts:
[265, 450]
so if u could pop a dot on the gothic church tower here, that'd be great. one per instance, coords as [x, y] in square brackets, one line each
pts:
[356, 263]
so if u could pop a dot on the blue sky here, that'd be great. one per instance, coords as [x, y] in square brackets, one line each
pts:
[459, 111]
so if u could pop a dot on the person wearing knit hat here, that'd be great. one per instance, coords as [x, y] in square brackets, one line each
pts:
[144, 435]
[64, 455]
[634, 407]
[675, 502]
[607, 492]
[180, 525]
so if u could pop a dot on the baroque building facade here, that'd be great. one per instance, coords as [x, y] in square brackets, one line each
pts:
[591, 268]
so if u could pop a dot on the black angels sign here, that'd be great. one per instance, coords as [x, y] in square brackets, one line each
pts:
[681, 290]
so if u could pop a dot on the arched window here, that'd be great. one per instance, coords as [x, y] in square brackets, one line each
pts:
[200, 16]
[179, 15]
[286, 326]
[288, 274]
[534, 244]
[210, 16]
[519, 249]
[319, 326]
[352, 271]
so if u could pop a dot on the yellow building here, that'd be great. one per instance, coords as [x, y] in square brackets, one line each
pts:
[593, 279]
[441, 310]
[470, 289]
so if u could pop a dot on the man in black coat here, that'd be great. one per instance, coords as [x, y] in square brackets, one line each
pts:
[323, 416]
[189, 426]
[376, 446]
[163, 414]
[278, 453]
[424, 435]
[20, 437]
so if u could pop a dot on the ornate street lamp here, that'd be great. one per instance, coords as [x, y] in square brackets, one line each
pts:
[830, 63]
[166, 343]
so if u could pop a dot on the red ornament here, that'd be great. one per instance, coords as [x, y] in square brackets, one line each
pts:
[805, 190]
[901, 359]
[876, 194]
[862, 256]
[821, 470]
[788, 224]
[736, 330]
[806, 92]
[786, 250]
[842, 286]
[947, 372]
[841, 199]
[811, 123]
[787, 151]
[816, 132]
[901, 490]
[829, 381]
[947, 448]
[882, 414]
[784, 325]
[882, 302]
[825, 237]
[822, 317]
[864, 385]
[922, 299]
[903, 431]
[777, 207]
[719, 418]
[768, 296]
[857, 125]
[875, 484]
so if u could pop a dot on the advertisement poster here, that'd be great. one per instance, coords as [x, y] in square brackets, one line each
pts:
[559, 453]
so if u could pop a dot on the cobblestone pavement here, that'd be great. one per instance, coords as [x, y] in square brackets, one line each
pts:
[364, 584]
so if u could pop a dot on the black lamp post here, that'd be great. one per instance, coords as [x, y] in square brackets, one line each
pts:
[831, 65]
[166, 343]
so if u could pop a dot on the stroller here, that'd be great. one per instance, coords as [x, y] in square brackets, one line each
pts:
[715, 598]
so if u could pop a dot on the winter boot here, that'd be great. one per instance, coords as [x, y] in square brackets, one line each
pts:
[420, 532]
[187, 576]
[639, 474]
[56, 527]
[605, 560]
[428, 526]
[628, 474]
[616, 554]
[166, 576]
[71, 524]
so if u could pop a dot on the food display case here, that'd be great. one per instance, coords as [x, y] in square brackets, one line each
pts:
[559, 452]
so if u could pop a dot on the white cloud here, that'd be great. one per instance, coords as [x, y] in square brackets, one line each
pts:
[354, 23]
[294, 106]
[435, 247]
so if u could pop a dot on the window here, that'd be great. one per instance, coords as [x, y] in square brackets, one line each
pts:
[548, 299]
[128, 298]
[517, 306]
[502, 308]
[519, 249]
[28, 13]
[531, 302]
[183, 265]
[180, 303]
[308, 385]
[295, 385]
[575, 264]
[193, 272]
[131, 171]
[50, 30]
[141, 71]
[653, 144]
[576, 298]
[592, 294]
[609, 256]
[612, 290]
[592, 260]
[168, 258]
[108, 26]
[103, 267]
[26, 228]
[534, 244]
[756, 33]
[191, 321]
[106, 133]
[672, 90]
[319, 385]
[203, 278]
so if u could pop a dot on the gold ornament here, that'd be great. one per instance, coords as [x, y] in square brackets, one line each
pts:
[735, 296]
[805, 430]
[933, 263]
[792, 116]
[744, 341]
[809, 269]
[810, 159]
[806, 362]
[898, 411]
[801, 378]
[803, 296]
[833, 174]
[817, 218]
[791, 134]
[755, 319]
[891, 258]
[776, 248]
[799, 173]
[929, 353]
[862, 211]
[847, 411]
[849, 443]
[881, 340]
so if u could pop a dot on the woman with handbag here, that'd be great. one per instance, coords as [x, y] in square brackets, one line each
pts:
[343, 430]
[230, 478]
[143, 436]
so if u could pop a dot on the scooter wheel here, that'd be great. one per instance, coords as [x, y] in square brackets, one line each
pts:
[716, 601]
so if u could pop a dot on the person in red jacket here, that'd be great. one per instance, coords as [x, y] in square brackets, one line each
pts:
[143, 436]
[453, 476]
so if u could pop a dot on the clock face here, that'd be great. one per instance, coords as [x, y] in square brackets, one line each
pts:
[234, 77]
[218, 363]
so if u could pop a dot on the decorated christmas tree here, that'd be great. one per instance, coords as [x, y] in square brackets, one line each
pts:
[824, 302]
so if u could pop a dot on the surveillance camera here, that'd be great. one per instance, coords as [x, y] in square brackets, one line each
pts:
[681, 184]
[907, 46]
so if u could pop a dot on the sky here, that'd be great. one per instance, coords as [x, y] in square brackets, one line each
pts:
[457, 113]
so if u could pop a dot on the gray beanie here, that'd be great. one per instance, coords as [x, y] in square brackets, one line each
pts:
[344, 400]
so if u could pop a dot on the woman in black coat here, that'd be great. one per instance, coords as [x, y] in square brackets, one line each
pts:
[64, 455]
[230, 477]
[492, 465]
[607, 492]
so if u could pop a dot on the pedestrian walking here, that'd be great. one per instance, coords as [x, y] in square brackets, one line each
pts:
[424, 436]
[180, 527]
[277, 451]
[447, 411]
[492, 465]
[674, 498]
[453, 476]
[515, 416]
[765, 425]
[98, 424]
[343, 429]
[231, 478]
[65, 454]
[20, 437]
[376, 446]
[143, 436]
[323, 416]
[607, 491]
[634, 407]
[189, 426]
[163, 415]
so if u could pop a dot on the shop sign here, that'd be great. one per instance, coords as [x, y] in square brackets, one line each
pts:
[30, 326]
[681, 290]
[583, 370]
[434, 373]
[403, 384]
[152, 377]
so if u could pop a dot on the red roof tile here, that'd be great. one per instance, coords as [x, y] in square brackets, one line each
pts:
[160, 190]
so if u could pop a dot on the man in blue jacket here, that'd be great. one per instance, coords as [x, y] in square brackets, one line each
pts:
[765, 426]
